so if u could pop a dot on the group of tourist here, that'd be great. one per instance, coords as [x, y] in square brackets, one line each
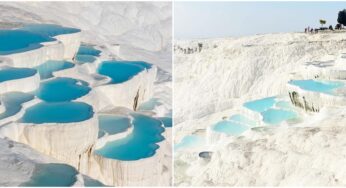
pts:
[315, 30]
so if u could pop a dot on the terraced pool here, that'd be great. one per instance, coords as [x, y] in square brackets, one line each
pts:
[189, 141]
[121, 71]
[49, 30]
[60, 112]
[273, 110]
[16, 41]
[15, 73]
[62, 89]
[88, 50]
[327, 87]
[52, 175]
[113, 124]
[46, 69]
[13, 103]
[141, 143]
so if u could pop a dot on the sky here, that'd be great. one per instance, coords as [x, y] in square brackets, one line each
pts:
[231, 19]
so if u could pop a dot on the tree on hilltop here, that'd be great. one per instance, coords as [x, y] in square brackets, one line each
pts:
[342, 17]
[322, 22]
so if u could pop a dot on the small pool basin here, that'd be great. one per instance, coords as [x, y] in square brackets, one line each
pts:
[327, 87]
[52, 175]
[16, 41]
[49, 30]
[121, 71]
[15, 73]
[46, 69]
[88, 50]
[61, 112]
[61, 89]
[113, 124]
[141, 143]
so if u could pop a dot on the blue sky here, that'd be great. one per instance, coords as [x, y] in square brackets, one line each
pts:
[223, 19]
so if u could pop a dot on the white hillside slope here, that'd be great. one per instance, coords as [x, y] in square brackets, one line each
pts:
[215, 82]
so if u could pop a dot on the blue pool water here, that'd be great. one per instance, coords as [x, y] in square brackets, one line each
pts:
[88, 50]
[52, 175]
[272, 110]
[85, 59]
[61, 89]
[167, 121]
[113, 124]
[121, 71]
[284, 105]
[230, 127]
[142, 64]
[13, 103]
[88, 182]
[242, 119]
[61, 112]
[141, 143]
[16, 73]
[46, 69]
[150, 104]
[49, 30]
[276, 116]
[261, 104]
[317, 86]
[15, 41]
[189, 141]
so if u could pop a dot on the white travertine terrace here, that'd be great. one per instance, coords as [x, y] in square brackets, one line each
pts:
[65, 47]
[26, 84]
[128, 94]
[74, 143]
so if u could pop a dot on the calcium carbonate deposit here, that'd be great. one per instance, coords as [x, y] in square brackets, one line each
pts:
[263, 110]
[85, 94]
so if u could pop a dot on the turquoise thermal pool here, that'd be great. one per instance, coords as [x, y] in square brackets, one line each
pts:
[46, 69]
[189, 141]
[149, 105]
[113, 124]
[230, 127]
[49, 30]
[88, 50]
[141, 143]
[62, 89]
[121, 71]
[62, 112]
[13, 103]
[52, 175]
[276, 116]
[85, 59]
[326, 87]
[16, 41]
[235, 125]
[272, 110]
[261, 104]
[242, 119]
[15, 73]
[167, 121]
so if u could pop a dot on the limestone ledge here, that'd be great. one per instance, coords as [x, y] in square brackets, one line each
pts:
[314, 101]
[129, 94]
[65, 47]
[26, 84]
